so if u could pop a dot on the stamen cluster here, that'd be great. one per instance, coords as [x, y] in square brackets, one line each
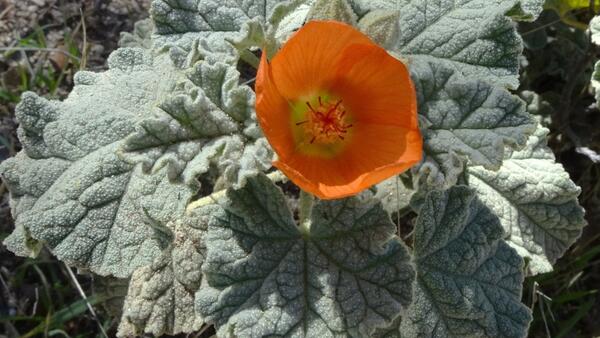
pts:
[326, 123]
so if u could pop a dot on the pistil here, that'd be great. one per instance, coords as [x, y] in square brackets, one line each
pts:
[326, 123]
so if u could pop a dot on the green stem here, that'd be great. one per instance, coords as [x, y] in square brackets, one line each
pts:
[251, 59]
[305, 207]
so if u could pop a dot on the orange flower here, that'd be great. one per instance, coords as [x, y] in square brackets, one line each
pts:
[339, 111]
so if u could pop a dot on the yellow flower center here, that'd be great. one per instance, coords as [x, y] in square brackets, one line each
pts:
[326, 122]
[321, 125]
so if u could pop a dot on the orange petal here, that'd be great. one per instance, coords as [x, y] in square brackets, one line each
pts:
[306, 63]
[272, 110]
[383, 151]
[322, 178]
[376, 87]
[379, 152]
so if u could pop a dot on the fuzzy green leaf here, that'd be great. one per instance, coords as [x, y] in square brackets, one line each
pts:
[179, 22]
[140, 37]
[160, 299]
[392, 331]
[473, 37]
[69, 188]
[595, 29]
[21, 244]
[469, 282]
[464, 118]
[527, 10]
[361, 7]
[393, 194]
[535, 201]
[595, 34]
[596, 81]
[345, 276]
[207, 127]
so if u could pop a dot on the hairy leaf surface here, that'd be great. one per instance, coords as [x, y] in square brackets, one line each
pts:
[596, 80]
[179, 22]
[69, 188]
[464, 118]
[140, 37]
[161, 296]
[527, 10]
[595, 35]
[473, 37]
[535, 200]
[393, 194]
[595, 29]
[207, 127]
[468, 280]
[346, 275]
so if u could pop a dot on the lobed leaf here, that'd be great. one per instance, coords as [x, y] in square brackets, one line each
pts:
[179, 22]
[472, 37]
[208, 127]
[469, 282]
[463, 118]
[69, 188]
[21, 243]
[535, 201]
[345, 276]
[161, 296]
[140, 37]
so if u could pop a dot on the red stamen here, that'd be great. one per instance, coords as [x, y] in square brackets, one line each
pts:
[326, 122]
[337, 104]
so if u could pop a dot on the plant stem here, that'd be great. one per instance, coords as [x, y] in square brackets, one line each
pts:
[307, 200]
[251, 59]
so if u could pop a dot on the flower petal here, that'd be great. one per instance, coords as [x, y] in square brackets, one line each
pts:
[307, 61]
[376, 87]
[383, 151]
[273, 111]
[379, 153]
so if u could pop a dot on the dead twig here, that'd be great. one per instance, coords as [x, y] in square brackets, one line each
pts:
[6, 10]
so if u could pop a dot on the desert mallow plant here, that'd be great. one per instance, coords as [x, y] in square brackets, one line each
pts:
[157, 172]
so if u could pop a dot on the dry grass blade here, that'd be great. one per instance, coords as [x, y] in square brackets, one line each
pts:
[84, 297]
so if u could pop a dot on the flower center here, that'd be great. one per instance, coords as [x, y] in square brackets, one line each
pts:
[326, 123]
